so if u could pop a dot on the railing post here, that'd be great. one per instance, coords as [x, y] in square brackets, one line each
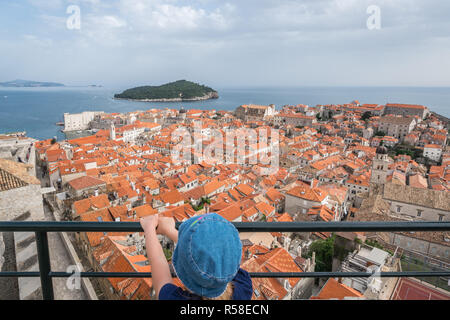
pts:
[44, 265]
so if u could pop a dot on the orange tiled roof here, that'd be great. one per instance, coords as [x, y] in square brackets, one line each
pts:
[335, 290]
[85, 182]
[305, 192]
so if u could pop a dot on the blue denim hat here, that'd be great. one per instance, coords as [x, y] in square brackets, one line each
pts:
[207, 255]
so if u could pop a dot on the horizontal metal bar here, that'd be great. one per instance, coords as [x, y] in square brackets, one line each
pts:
[56, 274]
[345, 226]
[19, 274]
[268, 274]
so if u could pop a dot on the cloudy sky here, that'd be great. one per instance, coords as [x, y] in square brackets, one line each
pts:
[227, 43]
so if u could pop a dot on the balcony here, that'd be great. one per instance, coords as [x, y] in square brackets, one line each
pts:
[46, 274]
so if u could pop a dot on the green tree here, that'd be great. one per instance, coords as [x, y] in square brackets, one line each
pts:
[324, 250]
[366, 115]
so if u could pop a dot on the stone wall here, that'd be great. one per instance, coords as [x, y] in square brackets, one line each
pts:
[410, 211]
[429, 248]
[2, 251]
[16, 202]
[296, 205]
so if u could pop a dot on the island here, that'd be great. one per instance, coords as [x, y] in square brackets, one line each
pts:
[181, 90]
[29, 84]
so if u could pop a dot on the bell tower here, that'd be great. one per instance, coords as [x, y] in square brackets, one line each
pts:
[112, 132]
[380, 166]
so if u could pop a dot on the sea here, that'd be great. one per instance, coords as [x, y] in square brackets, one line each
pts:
[37, 110]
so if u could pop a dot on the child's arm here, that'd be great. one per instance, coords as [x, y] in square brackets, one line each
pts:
[160, 268]
[166, 227]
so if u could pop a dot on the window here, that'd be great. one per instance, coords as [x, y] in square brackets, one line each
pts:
[441, 217]
[399, 208]
[419, 212]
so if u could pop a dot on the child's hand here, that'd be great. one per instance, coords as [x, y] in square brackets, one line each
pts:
[166, 226]
[149, 223]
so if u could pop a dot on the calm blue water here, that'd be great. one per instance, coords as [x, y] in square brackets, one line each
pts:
[36, 110]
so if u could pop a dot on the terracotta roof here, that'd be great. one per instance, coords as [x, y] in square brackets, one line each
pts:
[276, 260]
[143, 211]
[91, 203]
[408, 106]
[335, 290]
[9, 181]
[231, 212]
[305, 192]
[245, 189]
[85, 182]
[113, 257]
[172, 197]
[15, 175]
[422, 197]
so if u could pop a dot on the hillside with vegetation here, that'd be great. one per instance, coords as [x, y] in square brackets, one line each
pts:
[181, 90]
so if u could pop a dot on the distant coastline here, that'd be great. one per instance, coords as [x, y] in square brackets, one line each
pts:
[36, 110]
[29, 84]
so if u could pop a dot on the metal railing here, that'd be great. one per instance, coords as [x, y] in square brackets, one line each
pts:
[46, 274]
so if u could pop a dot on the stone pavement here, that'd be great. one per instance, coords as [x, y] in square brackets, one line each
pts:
[60, 261]
[27, 260]
[9, 286]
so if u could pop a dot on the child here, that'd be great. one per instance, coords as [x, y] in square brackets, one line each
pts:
[206, 259]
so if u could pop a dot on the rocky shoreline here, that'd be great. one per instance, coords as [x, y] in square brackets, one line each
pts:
[209, 96]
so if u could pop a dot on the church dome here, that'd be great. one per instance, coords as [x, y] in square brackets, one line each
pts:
[382, 150]
[182, 110]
